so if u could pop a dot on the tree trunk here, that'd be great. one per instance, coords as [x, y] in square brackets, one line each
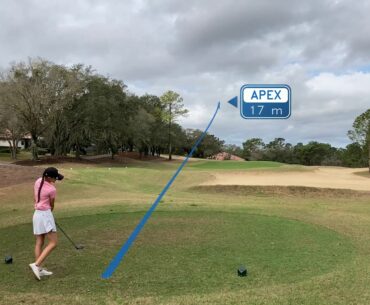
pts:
[58, 152]
[77, 151]
[13, 148]
[35, 155]
[368, 147]
[169, 137]
[368, 142]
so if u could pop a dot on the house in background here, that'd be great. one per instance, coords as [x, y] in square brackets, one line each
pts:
[24, 142]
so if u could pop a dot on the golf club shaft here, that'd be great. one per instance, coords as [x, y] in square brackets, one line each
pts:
[65, 234]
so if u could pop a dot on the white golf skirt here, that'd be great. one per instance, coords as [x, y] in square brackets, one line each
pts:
[43, 222]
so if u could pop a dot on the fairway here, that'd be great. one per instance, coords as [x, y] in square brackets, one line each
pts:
[296, 248]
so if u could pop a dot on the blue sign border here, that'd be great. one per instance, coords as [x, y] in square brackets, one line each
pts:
[266, 86]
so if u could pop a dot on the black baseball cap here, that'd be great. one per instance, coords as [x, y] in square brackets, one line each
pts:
[52, 172]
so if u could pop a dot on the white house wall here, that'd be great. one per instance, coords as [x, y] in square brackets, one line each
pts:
[4, 143]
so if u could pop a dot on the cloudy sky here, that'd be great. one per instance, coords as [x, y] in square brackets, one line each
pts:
[206, 50]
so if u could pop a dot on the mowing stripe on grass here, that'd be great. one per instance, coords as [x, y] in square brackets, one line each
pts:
[121, 253]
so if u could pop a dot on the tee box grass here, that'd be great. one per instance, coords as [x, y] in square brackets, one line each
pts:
[297, 249]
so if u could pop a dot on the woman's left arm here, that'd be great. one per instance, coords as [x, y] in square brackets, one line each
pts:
[52, 201]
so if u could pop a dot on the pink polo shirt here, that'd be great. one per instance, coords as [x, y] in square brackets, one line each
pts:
[48, 192]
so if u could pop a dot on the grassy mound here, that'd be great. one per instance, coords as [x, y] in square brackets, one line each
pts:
[177, 253]
[233, 165]
[272, 190]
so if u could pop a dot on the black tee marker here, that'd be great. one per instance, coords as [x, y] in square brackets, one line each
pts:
[121, 253]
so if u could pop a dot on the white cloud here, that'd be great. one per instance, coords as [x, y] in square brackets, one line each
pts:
[207, 50]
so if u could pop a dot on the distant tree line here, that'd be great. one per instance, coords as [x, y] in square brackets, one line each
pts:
[69, 109]
[356, 154]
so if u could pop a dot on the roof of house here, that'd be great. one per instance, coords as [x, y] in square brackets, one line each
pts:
[3, 136]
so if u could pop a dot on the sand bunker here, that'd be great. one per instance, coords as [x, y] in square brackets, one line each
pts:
[323, 177]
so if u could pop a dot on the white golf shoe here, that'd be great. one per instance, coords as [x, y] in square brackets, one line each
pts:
[44, 272]
[35, 270]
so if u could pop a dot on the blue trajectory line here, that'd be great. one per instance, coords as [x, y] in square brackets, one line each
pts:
[121, 253]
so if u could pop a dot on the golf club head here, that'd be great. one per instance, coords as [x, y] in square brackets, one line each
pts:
[79, 247]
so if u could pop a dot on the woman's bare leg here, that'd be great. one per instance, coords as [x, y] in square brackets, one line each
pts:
[39, 244]
[52, 243]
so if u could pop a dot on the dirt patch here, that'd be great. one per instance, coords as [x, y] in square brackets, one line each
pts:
[270, 190]
[121, 158]
[320, 177]
[53, 160]
[25, 171]
[15, 174]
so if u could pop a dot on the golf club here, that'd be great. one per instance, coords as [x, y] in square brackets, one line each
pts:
[77, 247]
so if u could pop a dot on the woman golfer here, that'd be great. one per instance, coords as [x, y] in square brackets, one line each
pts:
[43, 220]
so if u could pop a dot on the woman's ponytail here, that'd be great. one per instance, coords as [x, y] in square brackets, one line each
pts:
[40, 187]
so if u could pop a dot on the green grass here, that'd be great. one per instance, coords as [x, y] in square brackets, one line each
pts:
[364, 173]
[300, 247]
[178, 253]
[22, 155]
